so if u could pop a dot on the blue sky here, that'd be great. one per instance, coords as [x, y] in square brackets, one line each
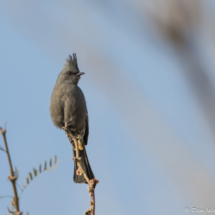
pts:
[149, 145]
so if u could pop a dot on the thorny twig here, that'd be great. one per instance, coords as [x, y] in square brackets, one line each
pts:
[12, 177]
[92, 183]
[92, 194]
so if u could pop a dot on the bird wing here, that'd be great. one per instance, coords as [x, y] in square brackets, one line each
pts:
[86, 129]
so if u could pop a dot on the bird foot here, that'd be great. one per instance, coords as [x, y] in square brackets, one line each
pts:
[65, 127]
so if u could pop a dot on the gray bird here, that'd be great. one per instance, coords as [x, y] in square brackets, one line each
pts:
[68, 111]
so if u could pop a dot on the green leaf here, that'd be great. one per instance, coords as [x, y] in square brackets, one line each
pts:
[45, 165]
[40, 168]
[30, 175]
[50, 162]
[35, 172]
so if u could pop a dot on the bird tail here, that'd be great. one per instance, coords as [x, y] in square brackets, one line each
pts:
[85, 165]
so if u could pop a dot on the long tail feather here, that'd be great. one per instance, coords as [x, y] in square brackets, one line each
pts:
[85, 165]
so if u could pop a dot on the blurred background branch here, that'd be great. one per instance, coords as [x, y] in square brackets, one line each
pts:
[180, 22]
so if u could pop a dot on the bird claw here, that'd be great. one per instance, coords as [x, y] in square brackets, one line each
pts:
[65, 127]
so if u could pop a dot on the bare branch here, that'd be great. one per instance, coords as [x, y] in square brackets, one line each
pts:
[12, 177]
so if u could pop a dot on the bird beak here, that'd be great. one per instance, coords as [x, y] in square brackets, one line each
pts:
[80, 73]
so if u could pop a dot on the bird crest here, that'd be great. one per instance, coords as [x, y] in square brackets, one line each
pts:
[72, 60]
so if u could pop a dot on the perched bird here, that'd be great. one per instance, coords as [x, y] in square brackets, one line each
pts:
[68, 111]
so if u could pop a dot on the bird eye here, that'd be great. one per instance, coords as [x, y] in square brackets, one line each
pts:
[69, 73]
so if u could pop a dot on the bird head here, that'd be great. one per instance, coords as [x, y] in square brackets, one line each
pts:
[70, 73]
